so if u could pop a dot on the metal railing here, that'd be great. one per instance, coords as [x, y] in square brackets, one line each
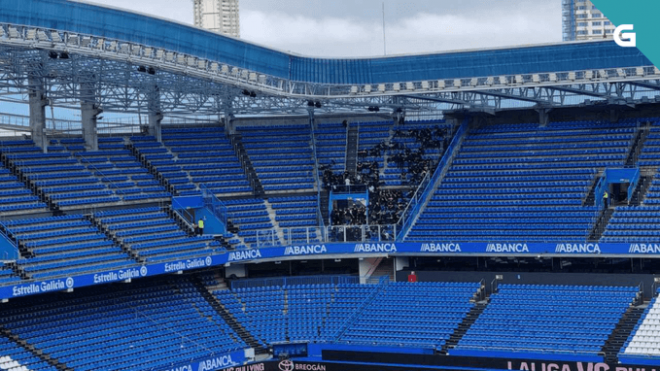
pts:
[282, 282]
[244, 160]
[214, 204]
[413, 205]
[319, 214]
[440, 171]
[384, 281]
[335, 233]
[185, 215]
[633, 184]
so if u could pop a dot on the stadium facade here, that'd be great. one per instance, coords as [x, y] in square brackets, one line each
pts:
[486, 209]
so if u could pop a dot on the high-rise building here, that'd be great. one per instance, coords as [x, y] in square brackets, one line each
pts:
[583, 21]
[219, 16]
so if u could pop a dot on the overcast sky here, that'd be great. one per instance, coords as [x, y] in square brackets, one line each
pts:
[335, 28]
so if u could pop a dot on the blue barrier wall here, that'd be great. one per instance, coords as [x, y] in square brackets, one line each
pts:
[8, 250]
[212, 225]
[327, 251]
[112, 23]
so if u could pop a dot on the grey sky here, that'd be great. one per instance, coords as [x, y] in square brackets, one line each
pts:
[354, 27]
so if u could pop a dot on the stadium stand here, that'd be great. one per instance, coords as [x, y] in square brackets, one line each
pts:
[650, 154]
[352, 313]
[7, 275]
[65, 245]
[16, 358]
[532, 321]
[644, 342]
[281, 155]
[314, 312]
[511, 181]
[413, 315]
[71, 177]
[111, 276]
[297, 218]
[250, 216]
[331, 146]
[15, 196]
[147, 325]
[190, 158]
[153, 235]
[440, 133]
[633, 224]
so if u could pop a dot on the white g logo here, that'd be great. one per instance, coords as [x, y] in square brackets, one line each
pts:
[630, 38]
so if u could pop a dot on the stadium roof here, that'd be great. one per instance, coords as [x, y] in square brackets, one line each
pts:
[211, 71]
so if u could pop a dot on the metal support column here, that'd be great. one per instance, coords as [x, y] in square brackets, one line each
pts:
[89, 112]
[38, 103]
[544, 116]
[155, 114]
[227, 109]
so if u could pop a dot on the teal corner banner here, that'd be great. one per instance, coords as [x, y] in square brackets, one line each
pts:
[643, 15]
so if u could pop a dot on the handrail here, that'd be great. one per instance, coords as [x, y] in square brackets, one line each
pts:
[381, 285]
[4, 234]
[214, 204]
[414, 201]
[334, 233]
[440, 170]
[319, 215]
[297, 280]
[243, 159]
[374, 267]
[185, 214]
[598, 195]
[633, 184]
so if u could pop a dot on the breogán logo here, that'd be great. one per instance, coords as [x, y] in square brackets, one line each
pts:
[577, 248]
[630, 40]
[288, 365]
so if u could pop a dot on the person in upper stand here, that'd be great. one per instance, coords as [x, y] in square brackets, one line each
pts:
[200, 227]
[606, 200]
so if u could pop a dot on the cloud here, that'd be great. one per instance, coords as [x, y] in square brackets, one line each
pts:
[178, 10]
[423, 32]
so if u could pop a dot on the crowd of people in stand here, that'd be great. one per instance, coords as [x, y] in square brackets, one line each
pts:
[385, 206]
[371, 180]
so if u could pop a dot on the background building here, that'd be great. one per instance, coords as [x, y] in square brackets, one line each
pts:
[219, 16]
[583, 21]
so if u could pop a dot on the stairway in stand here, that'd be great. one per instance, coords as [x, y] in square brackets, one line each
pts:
[352, 142]
[640, 191]
[590, 199]
[601, 224]
[228, 317]
[385, 268]
[621, 333]
[459, 332]
[36, 352]
[246, 163]
[325, 206]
